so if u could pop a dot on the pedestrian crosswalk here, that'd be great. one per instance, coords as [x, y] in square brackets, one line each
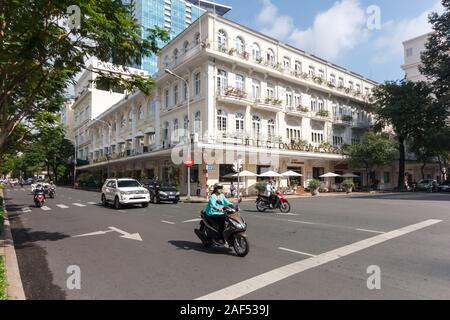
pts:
[51, 206]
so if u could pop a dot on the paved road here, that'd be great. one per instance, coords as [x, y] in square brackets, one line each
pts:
[321, 251]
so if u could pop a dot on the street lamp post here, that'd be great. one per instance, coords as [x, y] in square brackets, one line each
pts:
[75, 165]
[109, 143]
[189, 130]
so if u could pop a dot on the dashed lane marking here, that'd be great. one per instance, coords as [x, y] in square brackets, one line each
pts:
[298, 252]
[45, 208]
[168, 222]
[371, 231]
[79, 204]
[62, 206]
[192, 220]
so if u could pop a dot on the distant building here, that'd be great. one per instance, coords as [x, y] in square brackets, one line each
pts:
[413, 49]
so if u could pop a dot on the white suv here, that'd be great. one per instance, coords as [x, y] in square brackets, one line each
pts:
[124, 191]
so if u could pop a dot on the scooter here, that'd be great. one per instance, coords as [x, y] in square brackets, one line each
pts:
[39, 199]
[263, 203]
[233, 234]
[52, 192]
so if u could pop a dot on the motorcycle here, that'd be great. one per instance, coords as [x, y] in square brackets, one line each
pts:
[263, 203]
[39, 199]
[233, 234]
[52, 192]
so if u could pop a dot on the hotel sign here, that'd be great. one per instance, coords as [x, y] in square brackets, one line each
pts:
[309, 148]
[108, 66]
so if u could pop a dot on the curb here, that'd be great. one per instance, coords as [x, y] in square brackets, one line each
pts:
[14, 282]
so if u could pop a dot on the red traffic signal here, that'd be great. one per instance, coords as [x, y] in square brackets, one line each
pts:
[189, 162]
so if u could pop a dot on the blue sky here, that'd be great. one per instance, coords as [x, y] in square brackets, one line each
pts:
[337, 30]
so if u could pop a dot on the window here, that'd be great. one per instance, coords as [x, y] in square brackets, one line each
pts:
[222, 39]
[175, 129]
[175, 55]
[175, 94]
[314, 104]
[151, 108]
[298, 67]
[185, 91]
[409, 52]
[197, 83]
[338, 141]
[270, 91]
[166, 131]
[221, 120]
[341, 82]
[166, 61]
[312, 72]
[239, 122]
[289, 99]
[222, 81]
[317, 172]
[197, 39]
[358, 88]
[270, 57]
[317, 136]
[130, 119]
[271, 128]
[141, 113]
[297, 100]
[321, 104]
[240, 46]
[123, 122]
[350, 84]
[185, 47]
[240, 80]
[333, 79]
[256, 121]
[356, 140]
[166, 98]
[197, 122]
[256, 52]
[186, 123]
[256, 89]
[287, 63]
[321, 74]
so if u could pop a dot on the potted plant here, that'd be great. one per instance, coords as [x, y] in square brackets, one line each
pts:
[348, 185]
[347, 118]
[313, 186]
[261, 187]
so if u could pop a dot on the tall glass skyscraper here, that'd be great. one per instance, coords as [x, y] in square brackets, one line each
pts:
[173, 15]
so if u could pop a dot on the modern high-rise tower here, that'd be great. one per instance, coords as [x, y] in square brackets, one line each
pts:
[173, 15]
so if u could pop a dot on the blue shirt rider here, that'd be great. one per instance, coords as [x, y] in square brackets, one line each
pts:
[216, 203]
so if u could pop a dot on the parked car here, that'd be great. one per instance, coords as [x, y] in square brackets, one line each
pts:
[427, 184]
[444, 187]
[124, 192]
[161, 193]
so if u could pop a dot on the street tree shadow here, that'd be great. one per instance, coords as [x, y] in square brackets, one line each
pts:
[23, 237]
[417, 196]
[197, 246]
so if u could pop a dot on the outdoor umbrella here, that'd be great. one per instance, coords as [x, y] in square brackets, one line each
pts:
[289, 174]
[330, 175]
[245, 174]
[270, 174]
[350, 175]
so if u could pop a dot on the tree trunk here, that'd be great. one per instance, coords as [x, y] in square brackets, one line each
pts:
[401, 164]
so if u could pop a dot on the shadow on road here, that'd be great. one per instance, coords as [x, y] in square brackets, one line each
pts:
[197, 246]
[407, 196]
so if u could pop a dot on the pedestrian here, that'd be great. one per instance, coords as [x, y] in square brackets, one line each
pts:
[199, 189]
[232, 189]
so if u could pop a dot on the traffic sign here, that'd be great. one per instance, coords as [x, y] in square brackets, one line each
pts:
[189, 162]
[210, 168]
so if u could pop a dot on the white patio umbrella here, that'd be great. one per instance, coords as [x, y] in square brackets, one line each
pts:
[330, 175]
[289, 174]
[350, 175]
[245, 174]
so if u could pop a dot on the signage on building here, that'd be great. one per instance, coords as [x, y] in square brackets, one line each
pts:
[210, 168]
[189, 162]
[309, 148]
[108, 66]
[341, 166]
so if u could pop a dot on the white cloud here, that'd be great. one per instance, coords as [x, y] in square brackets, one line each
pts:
[334, 31]
[389, 45]
[273, 24]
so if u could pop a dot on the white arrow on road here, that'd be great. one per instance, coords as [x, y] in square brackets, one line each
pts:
[124, 234]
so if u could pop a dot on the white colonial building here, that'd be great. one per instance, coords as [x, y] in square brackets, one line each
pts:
[274, 105]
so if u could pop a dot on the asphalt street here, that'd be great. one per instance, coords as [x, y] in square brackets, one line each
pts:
[322, 250]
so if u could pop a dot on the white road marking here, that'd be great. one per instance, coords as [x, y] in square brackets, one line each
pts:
[302, 222]
[92, 234]
[26, 209]
[248, 286]
[45, 208]
[286, 214]
[371, 231]
[168, 222]
[79, 204]
[123, 211]
[92, 202]
[299, 252]
[193, 220]
[62, 206]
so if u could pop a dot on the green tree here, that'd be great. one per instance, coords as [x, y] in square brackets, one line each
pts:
[436, 58]
[40, 56]
[376, 149]
[409, 110]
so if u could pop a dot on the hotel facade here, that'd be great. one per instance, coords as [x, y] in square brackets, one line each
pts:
[250, 97]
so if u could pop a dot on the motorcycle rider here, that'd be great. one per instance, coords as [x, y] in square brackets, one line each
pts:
[214, 208]
[270, 192]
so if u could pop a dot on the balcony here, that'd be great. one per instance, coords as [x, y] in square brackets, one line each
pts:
[268, 104]
[234, 96]
[361, 124]
[321, 115]
[276, 69]
[299, 111]
[343, 120]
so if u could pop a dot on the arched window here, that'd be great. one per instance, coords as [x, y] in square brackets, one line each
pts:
[175, 129]
[239, 122]
[166, 61]
[222, 81]
[287, 63]
[221, 120]
[271, 128]
[175, 94]
[256, 52]
[141, 113]
[222, 39]
[185, 47]
[270, 57]
[175, 55]
[197, 38]
[123, 122]
[197, 122]
[240, 45]
[298, 67]
[256, 124]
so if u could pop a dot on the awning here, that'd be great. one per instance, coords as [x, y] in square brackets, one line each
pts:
[120, 141]
[139, 134]
[149, 130]
[130, 138]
